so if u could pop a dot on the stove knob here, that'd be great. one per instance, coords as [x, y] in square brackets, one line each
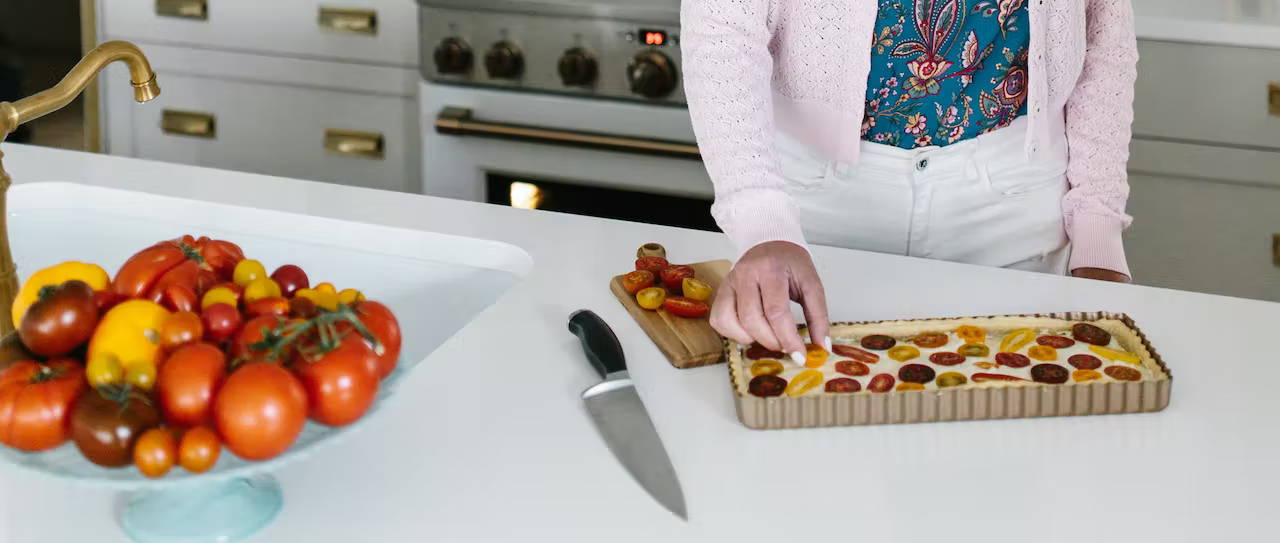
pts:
[504, 61]
[453, 56]
[651, 74]
[578, 68]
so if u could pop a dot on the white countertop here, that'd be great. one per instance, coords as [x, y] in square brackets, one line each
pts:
[1243, 23]
[445, 462]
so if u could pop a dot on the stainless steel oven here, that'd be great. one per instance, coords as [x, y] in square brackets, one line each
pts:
[570, 105]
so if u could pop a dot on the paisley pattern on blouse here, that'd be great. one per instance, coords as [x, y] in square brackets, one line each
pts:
[943, 71]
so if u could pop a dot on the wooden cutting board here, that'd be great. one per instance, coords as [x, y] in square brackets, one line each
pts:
[687, 343]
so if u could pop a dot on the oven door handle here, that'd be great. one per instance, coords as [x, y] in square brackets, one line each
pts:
[458, 121]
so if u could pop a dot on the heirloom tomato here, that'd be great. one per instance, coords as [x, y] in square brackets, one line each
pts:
[260, 410]
[130, 332]
[92, 275]
[179, 298]
[62, 319]
[382, 323]
[156, 452]
[189, 381]
[36, 401]
[291, 279]
[195, 263]
[199, 449]
[107, 422]
[342, 383]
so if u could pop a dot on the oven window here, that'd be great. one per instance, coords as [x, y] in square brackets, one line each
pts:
[601, 202]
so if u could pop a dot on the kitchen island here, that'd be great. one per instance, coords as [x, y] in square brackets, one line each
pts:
[488, 440]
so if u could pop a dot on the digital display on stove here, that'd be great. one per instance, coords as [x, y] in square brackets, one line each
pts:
[653, 38]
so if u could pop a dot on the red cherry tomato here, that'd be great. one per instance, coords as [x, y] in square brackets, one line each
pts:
[274, 305]
[180, 329]
[155, 452]
[189, 381]
[260, 410]
[340, 385]
[636, 281]
[199, 449]
[291, 279]
[673, 276]
[652, 264]
[685, 307]
[220, 322]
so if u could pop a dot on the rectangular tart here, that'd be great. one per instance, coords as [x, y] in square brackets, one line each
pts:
[967, 368]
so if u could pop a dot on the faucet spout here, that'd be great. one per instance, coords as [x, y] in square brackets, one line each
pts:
[33, 107]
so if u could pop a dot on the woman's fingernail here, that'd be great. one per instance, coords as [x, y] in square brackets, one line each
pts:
[798, 358]
[826, 342]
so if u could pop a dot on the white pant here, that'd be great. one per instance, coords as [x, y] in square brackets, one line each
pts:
[980, 201]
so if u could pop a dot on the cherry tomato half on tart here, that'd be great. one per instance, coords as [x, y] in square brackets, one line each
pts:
[855, 353]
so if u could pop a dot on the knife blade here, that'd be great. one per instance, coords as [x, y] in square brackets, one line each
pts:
[620, 416]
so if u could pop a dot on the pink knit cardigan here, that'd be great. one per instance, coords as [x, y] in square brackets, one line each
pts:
[753, 66]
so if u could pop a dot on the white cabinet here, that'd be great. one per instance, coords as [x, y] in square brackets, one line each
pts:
[325, 91]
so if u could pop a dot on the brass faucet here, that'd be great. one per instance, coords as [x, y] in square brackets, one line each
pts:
[33, 107]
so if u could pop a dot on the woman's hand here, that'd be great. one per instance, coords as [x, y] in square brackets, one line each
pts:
[754, 302]
[1100, 274]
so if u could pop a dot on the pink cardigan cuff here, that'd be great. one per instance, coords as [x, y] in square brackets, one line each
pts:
[752, 217]
[1097, 243]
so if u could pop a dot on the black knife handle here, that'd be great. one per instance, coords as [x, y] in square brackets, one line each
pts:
[598, 342]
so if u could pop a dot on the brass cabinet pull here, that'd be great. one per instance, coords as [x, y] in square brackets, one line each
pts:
[458, 121]
[354, 143]
[354, 21]
[1275, 249]
[189, 123]
[186, 9]
[1273, 99]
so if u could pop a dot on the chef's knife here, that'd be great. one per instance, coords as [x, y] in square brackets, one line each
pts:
[620, 416]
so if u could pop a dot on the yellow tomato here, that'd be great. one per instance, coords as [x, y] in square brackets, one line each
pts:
[1084, 376]
[141, 375]
[322, 299]
[130, 332]
[92, 274]
[350, 296]
[903, 353]
[651, 298]
[909, 386]
[1042, 352]
[247, 271]
[803, 382]
[696, 289]
[104, 370]
[814, 356]
[766, 367]
[327, 287]
[261, 288]
[218, 295]
[1016, 339]
[1116, 355]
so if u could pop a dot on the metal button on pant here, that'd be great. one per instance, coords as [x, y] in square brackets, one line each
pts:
[922, 164]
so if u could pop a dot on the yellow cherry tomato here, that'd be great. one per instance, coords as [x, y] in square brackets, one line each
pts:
[804, 382]
[1016, 339]
[766, 367]
[651, 298]
[219, 295]
[130, 331]
[1117, 355]
[814, 356]
[696, 289]
[247, 271]
[261, 288]
[1084, 376]
[322, 299]
[350, 296]
[971, 334]
[951, 379]
[903, 353]
[141, 375]
[91, 274]
[909, 386]
[327, 287]
[105, 369]
[1042, 352]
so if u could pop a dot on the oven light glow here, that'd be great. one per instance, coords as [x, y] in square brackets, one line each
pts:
[526, 195]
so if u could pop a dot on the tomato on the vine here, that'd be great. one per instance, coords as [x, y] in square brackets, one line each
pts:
[382, 323]
[199, 449]
[342, 383]
[260, 410]
[188, 383]
[107, 421]
[155, 452]
[36, 401]
[291, 279]
[220, 322]
[258, 337]
[62, 318]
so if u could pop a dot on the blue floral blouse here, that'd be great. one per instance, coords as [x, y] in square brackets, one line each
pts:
[943, 71]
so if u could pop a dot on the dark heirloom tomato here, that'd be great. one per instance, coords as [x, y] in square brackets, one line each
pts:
[106, 423]
[636, 281]
[757, 352]
[194, 263]
[766, 386]
[673, 276]
[878, 342]
[1049, 373]
[291, 279]
[1089, 333]
[652, 264]
[1057, 342]
[855, 353]
[930, 340]
[842, 384]
[916, 373]
[1084, 361]
[944, 358]
[685, 307]
[1013, 360]
[881, 383]
[36, 401]
[382, 323]
[1121, 373]
[61, 319]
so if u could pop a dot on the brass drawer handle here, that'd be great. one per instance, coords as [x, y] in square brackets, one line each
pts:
[189, 123]
[352, 21]
[1273, 99]
[458, 121]
[186, 9]
[354, 143]
[1275, 249]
